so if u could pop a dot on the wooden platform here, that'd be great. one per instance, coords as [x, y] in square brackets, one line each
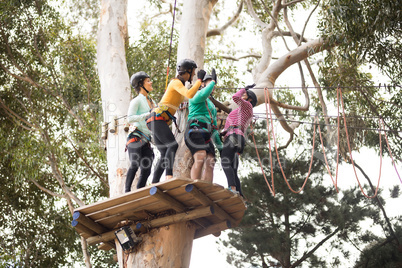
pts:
[210, 206]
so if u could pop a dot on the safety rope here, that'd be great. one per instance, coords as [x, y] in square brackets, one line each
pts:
[335, 182]
[277, 155]
[170, 47]
[272, 189]
[339, 96]
[390, 152]
[326, 161]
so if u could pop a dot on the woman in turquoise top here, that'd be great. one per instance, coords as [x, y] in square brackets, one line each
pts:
[201, 129]
[138, 141]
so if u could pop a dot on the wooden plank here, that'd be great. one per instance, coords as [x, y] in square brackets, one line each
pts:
[219, 212]
[173, 203]
[234, 201]
[82, 230]
[238, 215]
[82, 219]
[121, 208]
[216, 228]
[171, 184]
[180, 217]
[131, 214]
[87, 227]
[185, 216]
[153, 208]
[167, 199]
[219, 195]
[183, 197]
[127, 197]
[106, 246]
[112, 216]
[162, 197]
[110, 202]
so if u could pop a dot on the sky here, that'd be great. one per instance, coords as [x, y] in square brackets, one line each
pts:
[205, 250]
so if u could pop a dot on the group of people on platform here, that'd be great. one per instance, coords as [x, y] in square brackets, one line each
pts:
[150, 121]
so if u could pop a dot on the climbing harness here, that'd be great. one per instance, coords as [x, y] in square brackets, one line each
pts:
[141, 137]
[194, 126]
[159, 116]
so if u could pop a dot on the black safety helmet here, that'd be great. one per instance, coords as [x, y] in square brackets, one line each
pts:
[206, 77]
[251, 95]
[186, 66]
[137, 80]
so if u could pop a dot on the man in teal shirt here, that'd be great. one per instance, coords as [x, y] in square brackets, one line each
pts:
[202, 129]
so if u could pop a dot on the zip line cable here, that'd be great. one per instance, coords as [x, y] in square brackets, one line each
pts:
[330, 125]
[313, 87]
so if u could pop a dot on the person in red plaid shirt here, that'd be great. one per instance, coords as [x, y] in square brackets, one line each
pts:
[236, 124]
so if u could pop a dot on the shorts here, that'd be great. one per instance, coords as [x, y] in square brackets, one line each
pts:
[199, 140]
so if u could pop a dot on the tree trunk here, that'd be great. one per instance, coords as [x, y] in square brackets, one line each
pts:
[115, 86]
[168, 246]
[193, 32]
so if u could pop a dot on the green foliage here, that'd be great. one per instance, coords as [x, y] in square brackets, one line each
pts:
[280, 230]
[365, 32]
[368, 30]
[33, 226]
[382, 252]
[151, 52]
[49, 113]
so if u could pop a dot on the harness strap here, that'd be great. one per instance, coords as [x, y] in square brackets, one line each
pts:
[135, 139]
[233, 127]
[173, 118]
[155, 118]
[200, 124]
[142, 134]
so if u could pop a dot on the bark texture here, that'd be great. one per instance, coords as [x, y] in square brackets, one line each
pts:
[166, 247]
[115, 85]
[193, 34]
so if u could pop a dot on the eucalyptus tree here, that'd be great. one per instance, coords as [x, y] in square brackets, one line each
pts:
[52, 157]
[367, 33]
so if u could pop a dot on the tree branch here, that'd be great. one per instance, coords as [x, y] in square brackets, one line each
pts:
[163, 13]
[56, 171]
[274, 17]
[14, 116]
[308, 254]
[292, 3]
[308, 19]
[219, 31]
[254, 15]
[297, 40]
[46, 190]
[267, 35]
[227, 57]
[269, 76]
[87, 164]
[391, 230]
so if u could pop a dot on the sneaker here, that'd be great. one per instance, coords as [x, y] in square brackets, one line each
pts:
[233, 191]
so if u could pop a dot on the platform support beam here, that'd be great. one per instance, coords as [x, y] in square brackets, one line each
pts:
[176, 218]
[214, 229]
[203, 199]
